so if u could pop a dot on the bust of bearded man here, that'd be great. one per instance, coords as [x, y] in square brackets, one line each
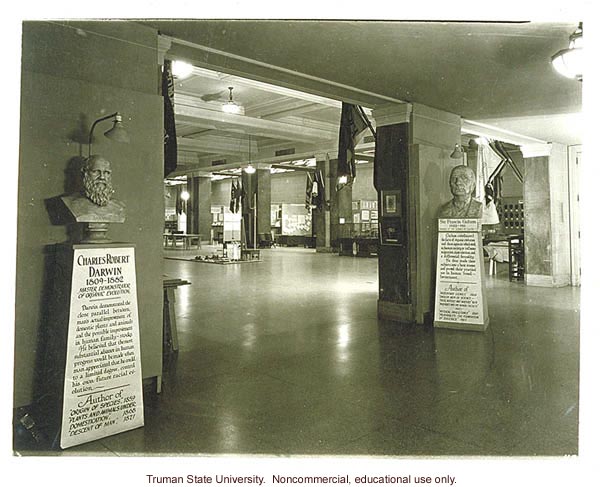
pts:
[95, 205]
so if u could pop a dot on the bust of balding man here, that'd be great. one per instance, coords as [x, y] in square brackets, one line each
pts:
[462, 204]
[96, 205]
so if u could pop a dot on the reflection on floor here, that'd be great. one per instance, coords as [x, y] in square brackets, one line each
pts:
[287, 357]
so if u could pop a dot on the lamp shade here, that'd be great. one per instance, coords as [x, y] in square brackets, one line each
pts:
[117, 132]
[457, 152]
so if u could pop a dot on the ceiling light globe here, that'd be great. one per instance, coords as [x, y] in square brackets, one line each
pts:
[181, 69]
[232, 108]
[569, 63]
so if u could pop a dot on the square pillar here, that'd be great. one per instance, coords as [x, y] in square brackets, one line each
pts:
[546, 215]
[412, 167]
[340, 206]
[199, 218]
[322, 218]
[256, 205]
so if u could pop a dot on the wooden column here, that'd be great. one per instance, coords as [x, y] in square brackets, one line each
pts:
[191, 221]
[201, 197]
[413, 163]
[322, 218]
[340, 207]
[256, 211]
[546, 208]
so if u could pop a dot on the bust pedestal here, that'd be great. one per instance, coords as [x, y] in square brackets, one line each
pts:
[100, 354]
[460, 299]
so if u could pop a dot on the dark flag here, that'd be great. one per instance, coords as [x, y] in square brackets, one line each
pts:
[236, 196]
[232, 199]
[352, 126]
[308, 200]
[319, 199]
[170, 138]
[179, 202]
[239, 193]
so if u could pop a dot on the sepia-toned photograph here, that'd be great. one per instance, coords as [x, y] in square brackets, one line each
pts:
[293, 238]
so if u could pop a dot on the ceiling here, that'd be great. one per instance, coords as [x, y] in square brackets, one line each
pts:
[278, 125]
[493, 72]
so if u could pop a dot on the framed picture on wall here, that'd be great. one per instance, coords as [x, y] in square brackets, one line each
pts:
[390, 203]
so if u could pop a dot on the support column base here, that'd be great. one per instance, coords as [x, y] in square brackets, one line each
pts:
[462, 326]
[546, 281]
[326, 250]
[387, 310]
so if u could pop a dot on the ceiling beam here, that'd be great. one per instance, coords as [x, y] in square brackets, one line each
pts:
[330, 150]
[248, 125]
[218, 145]
[491, 132]
[334, 128]
[280, 107]
[259, 85]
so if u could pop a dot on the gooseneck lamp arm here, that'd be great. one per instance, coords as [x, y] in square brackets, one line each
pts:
[117, 132]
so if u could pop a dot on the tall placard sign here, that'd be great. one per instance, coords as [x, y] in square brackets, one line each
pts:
[103, 376]
[460, 298]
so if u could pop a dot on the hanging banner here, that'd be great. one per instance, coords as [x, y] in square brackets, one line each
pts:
[103, 374]
[460, 299]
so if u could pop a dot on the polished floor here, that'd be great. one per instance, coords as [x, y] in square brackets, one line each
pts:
[286, 357]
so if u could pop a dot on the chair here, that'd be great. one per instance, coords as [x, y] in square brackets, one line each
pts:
[516, 258]
[265, 240]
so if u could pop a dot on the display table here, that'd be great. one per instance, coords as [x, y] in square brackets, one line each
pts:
[250, 254]
[295, 241]
[187, 240]
[358, 246]
[170, 338]
[506, 248]
[497, 252]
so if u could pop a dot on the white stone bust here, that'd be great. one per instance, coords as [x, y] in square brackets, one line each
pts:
[462, 205]
[96, 205]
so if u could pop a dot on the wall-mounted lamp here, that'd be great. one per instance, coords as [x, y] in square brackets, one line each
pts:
[185, 195]
[116, 133]
[457, 153]
[569, 62]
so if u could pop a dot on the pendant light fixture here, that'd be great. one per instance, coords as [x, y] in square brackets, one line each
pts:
[231, 106]
[569, 62]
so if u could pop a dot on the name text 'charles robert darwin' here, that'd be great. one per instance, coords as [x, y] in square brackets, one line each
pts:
[254, 479]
